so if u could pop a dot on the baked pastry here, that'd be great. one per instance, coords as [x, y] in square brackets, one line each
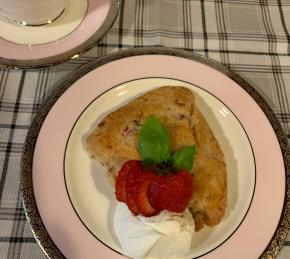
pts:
[114, 140]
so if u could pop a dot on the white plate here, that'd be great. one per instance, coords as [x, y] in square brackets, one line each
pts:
[88, 187]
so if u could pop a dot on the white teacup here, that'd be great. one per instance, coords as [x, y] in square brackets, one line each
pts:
[32, 12]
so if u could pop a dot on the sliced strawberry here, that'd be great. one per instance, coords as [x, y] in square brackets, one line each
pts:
[141, 197]
[171, 192]
[131, 186]
[120, 187]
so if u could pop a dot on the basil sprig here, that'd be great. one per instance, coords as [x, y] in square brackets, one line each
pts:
[183, 158]
[153, 143]
[154, 147]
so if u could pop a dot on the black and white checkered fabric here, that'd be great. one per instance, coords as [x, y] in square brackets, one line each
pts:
[251, 37]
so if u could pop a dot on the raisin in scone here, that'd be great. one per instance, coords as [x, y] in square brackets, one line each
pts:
[114, 140]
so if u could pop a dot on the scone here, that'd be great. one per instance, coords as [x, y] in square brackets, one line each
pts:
[114, 140]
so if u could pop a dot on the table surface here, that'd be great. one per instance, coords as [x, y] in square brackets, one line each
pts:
[250, 37]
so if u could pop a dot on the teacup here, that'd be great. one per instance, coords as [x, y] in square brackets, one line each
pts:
[32, 12]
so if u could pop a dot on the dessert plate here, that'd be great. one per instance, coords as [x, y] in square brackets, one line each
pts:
[67, 199]
[233, 139]
[81, 26]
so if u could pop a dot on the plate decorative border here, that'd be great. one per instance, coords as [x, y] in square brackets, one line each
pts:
[29, 203]
[70, 54]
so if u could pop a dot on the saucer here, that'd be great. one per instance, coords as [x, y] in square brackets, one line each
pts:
[66, 23]
[80, 27]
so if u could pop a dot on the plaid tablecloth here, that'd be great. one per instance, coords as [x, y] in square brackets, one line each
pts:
[250, 37]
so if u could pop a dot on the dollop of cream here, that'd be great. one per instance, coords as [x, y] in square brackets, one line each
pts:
[166, 235]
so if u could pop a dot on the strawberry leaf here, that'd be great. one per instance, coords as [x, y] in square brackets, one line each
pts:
[183, 158]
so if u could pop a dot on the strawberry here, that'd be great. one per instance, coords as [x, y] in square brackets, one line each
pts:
[147, 193]
[141, 197]
[133, 179]
[120, 187]
[171, 192]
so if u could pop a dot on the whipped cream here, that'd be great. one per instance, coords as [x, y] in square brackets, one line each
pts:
[166, 235]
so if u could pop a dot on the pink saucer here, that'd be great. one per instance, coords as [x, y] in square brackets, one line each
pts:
[97, 20]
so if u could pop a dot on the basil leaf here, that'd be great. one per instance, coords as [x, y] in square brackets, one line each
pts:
[183, 158]
[153, 144]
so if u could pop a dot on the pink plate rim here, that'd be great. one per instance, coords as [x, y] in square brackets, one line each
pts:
[71, 53]
[27, 191]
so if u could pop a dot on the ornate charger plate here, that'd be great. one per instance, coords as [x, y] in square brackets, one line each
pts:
[64, 39]
[57, 211]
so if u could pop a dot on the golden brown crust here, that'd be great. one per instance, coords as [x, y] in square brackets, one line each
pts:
[209, 202]
[114, 141]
